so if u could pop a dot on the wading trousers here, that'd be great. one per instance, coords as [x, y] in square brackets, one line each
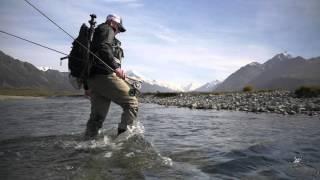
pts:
[104, 89]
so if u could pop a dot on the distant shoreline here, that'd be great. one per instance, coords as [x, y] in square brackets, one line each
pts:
[9, 97]
[20, 93]
[280, 102]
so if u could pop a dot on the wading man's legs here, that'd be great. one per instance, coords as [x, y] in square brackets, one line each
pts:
[99, 110]
[111, 87]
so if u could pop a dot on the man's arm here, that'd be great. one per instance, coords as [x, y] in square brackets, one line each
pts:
[107, 35]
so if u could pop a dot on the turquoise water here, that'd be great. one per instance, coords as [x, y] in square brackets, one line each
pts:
[42, 139]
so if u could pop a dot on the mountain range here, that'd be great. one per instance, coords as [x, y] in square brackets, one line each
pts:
[280, 72]
[17, 74]
[208, 87]
[156, 86]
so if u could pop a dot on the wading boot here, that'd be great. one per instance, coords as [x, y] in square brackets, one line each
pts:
[120, 131]
[91, 133]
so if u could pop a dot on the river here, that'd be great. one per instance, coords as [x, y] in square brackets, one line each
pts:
[42, 139]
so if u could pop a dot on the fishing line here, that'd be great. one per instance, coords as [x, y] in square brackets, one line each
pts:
[94, 55]
[43, 46]
[38, 44]
[35, 43]
[43, 14]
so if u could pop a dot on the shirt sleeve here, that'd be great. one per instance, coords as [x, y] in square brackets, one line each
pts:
[107, 35]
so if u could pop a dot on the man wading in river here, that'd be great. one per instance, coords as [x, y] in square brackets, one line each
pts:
[105, 86]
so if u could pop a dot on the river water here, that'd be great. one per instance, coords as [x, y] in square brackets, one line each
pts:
[42, 139]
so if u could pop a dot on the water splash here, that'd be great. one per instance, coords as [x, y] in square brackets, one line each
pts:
[108, 138]
[130, 154]
[166, 161]
[297, 160]
[136, 129]
[108, 155]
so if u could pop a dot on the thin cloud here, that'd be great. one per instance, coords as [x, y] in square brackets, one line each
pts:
[136, 5]
[165, 37]
[186, 51]
[129, 3]
[121, 1]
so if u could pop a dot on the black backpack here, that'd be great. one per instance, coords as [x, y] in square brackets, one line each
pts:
[78, 57]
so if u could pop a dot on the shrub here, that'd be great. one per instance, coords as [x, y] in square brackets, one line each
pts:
[247, 88]
[307, 91]
[166, 94]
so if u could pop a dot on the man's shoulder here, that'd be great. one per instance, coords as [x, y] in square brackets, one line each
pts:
[104, 26]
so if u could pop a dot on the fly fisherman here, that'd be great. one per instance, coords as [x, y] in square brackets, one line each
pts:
[105, 86]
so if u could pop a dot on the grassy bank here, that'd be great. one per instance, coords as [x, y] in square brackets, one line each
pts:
[176, 94]
[301, 92]
[36, 92]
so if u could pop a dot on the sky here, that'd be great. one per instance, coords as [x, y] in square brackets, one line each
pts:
[174, 41]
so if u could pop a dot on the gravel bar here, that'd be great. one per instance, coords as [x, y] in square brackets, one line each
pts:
[281, 102]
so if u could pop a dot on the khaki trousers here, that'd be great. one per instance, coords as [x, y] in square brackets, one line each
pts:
[104, 89]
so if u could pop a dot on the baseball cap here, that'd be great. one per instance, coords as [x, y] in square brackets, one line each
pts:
[118, 20]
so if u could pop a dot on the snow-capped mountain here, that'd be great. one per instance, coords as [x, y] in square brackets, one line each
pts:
[44, 68]
[254, 64]
[208, 87]
[190, 87]
[134, 74]
[151, 85]
[160, 86]
[171, 86]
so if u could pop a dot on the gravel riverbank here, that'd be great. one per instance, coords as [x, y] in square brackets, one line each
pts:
[6, 97]
[281, 102]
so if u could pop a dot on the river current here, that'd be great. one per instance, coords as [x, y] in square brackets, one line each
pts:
[43, 139]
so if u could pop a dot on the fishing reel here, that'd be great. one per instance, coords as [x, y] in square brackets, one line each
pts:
[135, 85]
[135, 88]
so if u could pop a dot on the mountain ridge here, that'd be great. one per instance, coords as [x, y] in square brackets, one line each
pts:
[282, 71]
[208, 87]
[18, 74]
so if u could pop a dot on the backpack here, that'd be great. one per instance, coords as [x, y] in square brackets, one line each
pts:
[78, 57]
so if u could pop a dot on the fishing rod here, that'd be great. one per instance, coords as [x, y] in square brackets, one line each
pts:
[90, 52]
[35, 43]
[38, 44]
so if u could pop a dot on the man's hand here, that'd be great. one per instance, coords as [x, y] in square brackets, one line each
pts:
[87, 93]
[120, 73]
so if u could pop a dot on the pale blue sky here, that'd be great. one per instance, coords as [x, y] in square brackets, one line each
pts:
[177, 41]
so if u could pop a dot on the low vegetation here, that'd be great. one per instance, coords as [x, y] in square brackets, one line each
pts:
[307, 91]
[166, 94]
[247, 88]
[302, 92]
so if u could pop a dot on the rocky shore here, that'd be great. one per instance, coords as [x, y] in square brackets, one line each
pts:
[281, 102]
[6, 97]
